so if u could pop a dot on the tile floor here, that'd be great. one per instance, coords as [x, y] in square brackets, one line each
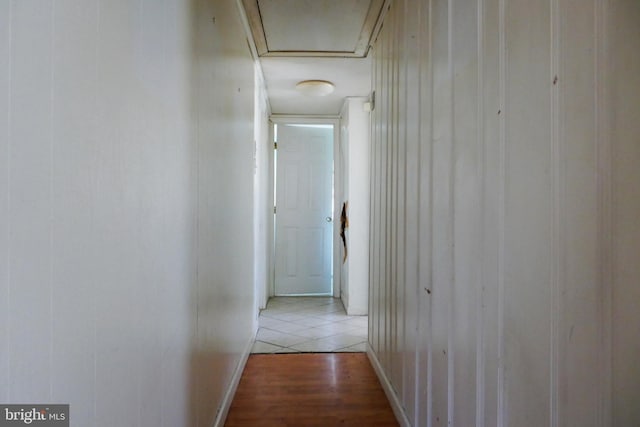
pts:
[309, 325]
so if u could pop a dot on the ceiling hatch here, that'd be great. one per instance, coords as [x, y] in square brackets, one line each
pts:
[324, 28]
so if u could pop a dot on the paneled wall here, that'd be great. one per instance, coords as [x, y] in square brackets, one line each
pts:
[126, 187]
[505, 240]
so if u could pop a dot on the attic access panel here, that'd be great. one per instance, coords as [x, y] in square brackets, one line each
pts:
[325, 28]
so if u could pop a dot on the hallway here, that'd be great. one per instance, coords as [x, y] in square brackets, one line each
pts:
[486, 154]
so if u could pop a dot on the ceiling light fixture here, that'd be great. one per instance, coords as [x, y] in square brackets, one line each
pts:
[315, 87]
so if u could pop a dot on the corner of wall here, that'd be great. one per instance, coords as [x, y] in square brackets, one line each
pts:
[392, 395]
[230, 392]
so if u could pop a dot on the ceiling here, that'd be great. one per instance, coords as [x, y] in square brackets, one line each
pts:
[313, 40]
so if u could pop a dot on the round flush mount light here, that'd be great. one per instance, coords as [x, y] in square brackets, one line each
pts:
[315, 87]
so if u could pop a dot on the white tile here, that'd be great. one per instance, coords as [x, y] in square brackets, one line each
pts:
[263, 347]
[341, 341]
[309, 303]
[284, 308]
[357, 348]
[274, 313]
[332, 317]
[287, 350]
[279, 338]
[334, 329]
[315, 333]
[288, 316]
[352, 330]
[315, 346]
[332, 343]
[312, 322]
[286, 327]
[269, 322]
[359, 321]
[325, 309]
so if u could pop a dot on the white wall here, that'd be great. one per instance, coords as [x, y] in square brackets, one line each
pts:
[341, 194]
[505, 243]
[263, 212]
[126, 183]
[354, 154]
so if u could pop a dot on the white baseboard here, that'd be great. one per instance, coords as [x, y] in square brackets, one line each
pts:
[396, 406]
[221, 417]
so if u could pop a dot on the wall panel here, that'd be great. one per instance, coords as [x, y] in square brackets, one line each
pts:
[441, 208]
[424, 356]
[409, 262]
[466, 215]
[490, 214]
[578, 264]
[399, 162]
[504, 143]
[530, 245]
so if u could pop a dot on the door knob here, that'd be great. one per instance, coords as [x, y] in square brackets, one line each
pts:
[328, 219]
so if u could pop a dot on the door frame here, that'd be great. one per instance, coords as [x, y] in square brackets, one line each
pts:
[312, 119]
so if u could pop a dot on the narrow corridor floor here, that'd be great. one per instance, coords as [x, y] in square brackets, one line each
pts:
[309, 324]
[309, 390]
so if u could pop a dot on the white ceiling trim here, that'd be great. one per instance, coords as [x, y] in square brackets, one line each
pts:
[369, 28]
[254, 51]
[304, 119]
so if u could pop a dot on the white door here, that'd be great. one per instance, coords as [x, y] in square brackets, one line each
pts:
[304, 205]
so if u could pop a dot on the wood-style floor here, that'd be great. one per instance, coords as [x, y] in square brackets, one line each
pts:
[299, 390]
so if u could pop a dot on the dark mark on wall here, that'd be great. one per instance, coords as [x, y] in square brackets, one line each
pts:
[571, 332]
